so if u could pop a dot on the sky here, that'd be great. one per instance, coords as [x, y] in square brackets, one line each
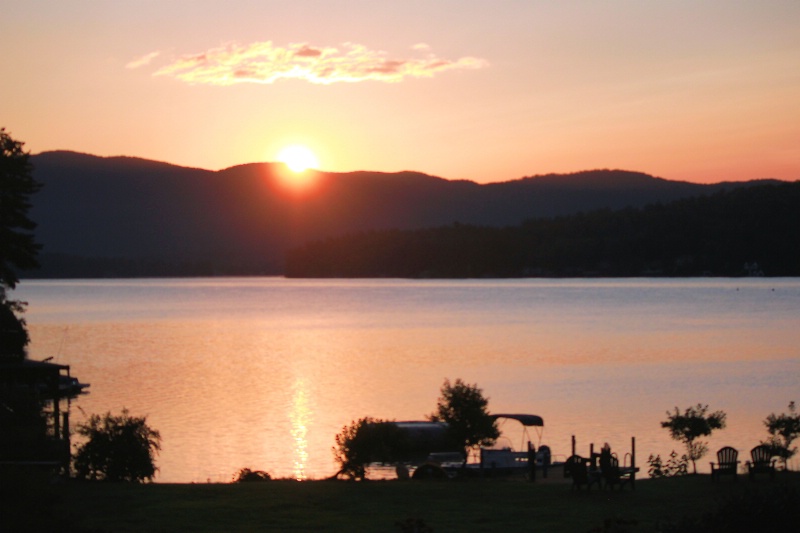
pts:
[691, 90]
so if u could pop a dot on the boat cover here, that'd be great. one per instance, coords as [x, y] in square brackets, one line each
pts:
[525, 420]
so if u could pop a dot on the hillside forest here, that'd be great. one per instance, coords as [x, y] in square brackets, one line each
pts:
[740, 232]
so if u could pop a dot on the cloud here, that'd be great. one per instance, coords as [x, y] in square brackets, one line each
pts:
[142, 61]
[307, 51]
[263, 62]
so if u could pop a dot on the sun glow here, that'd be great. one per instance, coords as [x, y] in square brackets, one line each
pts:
[298, 158]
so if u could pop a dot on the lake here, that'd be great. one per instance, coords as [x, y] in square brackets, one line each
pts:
[264, 372]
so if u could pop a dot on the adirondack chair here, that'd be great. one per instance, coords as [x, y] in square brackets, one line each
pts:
[727, 463]
[762, 461]
[576, 467]
[613, 475]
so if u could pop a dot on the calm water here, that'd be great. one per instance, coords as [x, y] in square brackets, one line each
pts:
[263, 372]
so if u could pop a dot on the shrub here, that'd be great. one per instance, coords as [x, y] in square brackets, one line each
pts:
[245, 475]
[675, 466]
[118, 448]
[656, 468]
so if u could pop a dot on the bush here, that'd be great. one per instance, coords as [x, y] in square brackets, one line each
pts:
[118, 448]
[675, 466]
[245, 475]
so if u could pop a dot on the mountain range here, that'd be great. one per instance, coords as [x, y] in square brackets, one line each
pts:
[123, 216]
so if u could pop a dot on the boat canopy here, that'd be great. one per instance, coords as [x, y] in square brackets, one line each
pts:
[425, 431]
[421, 439]
[525, 420]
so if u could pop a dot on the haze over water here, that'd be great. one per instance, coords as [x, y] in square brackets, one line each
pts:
[263, 372]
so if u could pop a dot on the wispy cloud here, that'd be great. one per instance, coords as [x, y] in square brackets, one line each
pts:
[263, 62]
[142, 61]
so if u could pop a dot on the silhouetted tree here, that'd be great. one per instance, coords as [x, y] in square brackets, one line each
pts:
[117, 448]
[463, 407]
[13, 331]
[17, 247]
[23, 428]
[692, 424]
[364, 441]
[783, 430]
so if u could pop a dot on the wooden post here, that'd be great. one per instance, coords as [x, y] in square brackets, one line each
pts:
[633, 463]
[56, 394]
[573, 445]
[65, 443]
[532, 461]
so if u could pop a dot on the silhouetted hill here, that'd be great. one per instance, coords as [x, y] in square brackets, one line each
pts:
[122, 216]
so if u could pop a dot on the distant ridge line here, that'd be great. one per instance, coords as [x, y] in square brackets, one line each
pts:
[127, 216]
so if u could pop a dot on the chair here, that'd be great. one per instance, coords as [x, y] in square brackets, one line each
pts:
[576, 468]
[727, 463]
[762, 461]
[612, 474]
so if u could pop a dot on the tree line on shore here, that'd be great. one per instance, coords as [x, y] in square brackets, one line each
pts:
[747, 231]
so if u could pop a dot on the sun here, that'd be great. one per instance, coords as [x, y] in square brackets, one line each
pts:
[298, 158]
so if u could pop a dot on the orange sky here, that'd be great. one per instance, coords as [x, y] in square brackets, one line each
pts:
[481, 90]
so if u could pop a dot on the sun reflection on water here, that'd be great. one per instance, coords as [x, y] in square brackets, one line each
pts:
[300, 416]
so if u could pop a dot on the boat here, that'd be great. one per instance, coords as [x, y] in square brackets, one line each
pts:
[502, 458]
[70, 387]
[505, 459]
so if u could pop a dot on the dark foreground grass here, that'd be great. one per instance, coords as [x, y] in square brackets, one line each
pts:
[441, 506]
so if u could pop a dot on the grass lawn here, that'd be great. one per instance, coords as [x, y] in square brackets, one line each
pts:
[442, 506]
